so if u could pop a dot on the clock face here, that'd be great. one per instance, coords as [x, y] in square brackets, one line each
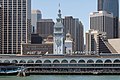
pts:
[58, 42]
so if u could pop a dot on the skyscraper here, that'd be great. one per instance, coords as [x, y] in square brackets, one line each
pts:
[35, 17]
[0, 28]
[102, 21]
[16, 24]
[75, 28]
[100, 5]
[45, 27]
[111, 6]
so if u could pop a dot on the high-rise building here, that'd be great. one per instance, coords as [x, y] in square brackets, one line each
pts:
[100, 5]
[102, 21]
[75, 28]
[16, 24]
[35, 17]
[96, 41]
[0, 28]
[45, 27]
[111, 6]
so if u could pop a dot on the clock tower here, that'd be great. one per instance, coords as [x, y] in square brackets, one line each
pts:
[58, 46]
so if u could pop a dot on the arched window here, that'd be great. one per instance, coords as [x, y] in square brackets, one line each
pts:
[90, 61]
[81, 61]
[38, 61]
[64, 61]
[73, 61]
[99, 61]
[108, 61]
[47, 61]
[14, 61]
[22, 61]
[30, 61]
[6, 61]
[56, 61]
[117, 61]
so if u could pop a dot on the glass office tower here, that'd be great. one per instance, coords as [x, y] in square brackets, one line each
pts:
[113, 7]
[100, 5]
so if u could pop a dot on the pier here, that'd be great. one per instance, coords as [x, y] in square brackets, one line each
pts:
[68, 64]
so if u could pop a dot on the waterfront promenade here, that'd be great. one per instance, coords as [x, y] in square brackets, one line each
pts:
[65, 64]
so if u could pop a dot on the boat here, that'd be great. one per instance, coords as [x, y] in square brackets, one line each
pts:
[10, 69]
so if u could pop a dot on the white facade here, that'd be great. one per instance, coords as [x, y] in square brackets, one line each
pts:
[68, 44]
[92, 40]
[58, 38]
[58, 47]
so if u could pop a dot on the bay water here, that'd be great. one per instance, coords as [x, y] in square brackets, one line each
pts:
[62, 77]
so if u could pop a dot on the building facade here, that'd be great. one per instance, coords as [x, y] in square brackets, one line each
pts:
[38, 46]
[37, 49]
[75, 28]
[36, 16]
[58, 46]
[111, 6]
[36, 39]
[45, 27]
[119, 28]
[69, 44]
[102, 21]
[96, 41]
[100, 5]
[0, 28]
[115, 44]
[16, 23]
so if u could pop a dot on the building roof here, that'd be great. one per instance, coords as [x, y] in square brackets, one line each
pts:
[36, 12]
[45, 20]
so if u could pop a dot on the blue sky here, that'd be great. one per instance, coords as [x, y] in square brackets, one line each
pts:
[77, 8]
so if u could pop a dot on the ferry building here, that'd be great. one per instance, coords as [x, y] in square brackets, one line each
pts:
[60, 63]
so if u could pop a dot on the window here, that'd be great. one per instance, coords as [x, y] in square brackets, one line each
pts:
[58, 29]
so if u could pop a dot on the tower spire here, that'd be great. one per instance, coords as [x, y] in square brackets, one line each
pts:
[59, 14]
